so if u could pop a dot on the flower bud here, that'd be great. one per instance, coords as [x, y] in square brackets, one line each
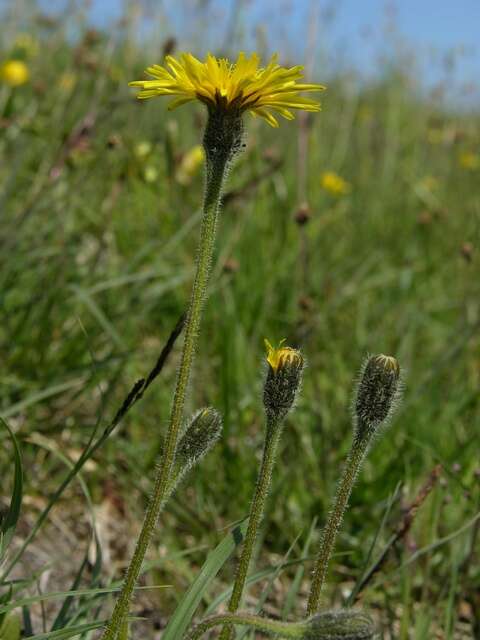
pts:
[340, 625]
[199, 437]
[285, 366]
[378, 391]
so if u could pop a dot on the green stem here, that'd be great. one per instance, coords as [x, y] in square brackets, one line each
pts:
[276, 627]
[215, 178]
[350, 472]
[274, 430]
[338, 624]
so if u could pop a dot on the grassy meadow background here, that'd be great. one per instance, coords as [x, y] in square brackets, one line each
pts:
[99, 204]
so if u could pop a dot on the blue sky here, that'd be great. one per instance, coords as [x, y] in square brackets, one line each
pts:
[355, 35]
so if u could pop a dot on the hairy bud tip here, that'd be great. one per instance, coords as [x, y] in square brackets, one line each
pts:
[377, 393]
[285, 367]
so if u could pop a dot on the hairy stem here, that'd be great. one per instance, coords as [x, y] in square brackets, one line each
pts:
[339, 624]
[215, 178]
[274, 429]
[272, 627]
[350, 472]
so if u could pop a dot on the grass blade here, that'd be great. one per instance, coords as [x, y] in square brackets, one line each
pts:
[297, 581]
[71, 632]
[9, 523]
[186, 608]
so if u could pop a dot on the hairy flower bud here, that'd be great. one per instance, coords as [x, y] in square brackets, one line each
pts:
[285, 366]
[199, 437]
[377, 393]
[340, 625]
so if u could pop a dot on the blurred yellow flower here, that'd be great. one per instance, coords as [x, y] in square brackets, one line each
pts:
[14, 73]
[190, 164]
[26, 43]
[150, 174]
[334, 184]
[225, 86]
[142, 149]
[469, 160]
[67, 81]
[429, 183]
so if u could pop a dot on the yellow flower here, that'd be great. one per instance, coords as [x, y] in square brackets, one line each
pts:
[67, 81]
[278, 358]
[150, 173]
[429, 183]
[142, 149]
[334, 184]
[235, 87]
[190, 164]
[469, 160]
[14, 73]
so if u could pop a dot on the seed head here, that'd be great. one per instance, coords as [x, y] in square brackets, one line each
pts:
[285, 366]
[378, 391]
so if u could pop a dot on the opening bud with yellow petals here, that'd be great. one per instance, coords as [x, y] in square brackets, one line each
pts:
[377, 394]
[285, 367]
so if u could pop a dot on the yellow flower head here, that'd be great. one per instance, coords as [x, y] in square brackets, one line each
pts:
[469, 160]
[14, 73]
[143, 149]
[429, 184]
[150, 173]
[281, 356]
[67, 81]
[190, 164]
[226, 86]
[334, 184]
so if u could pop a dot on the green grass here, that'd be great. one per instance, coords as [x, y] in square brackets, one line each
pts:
[96, 265]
